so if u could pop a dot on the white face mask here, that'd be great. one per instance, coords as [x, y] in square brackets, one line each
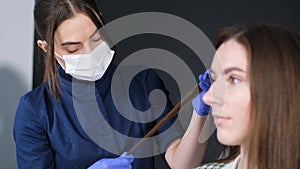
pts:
[91, 66]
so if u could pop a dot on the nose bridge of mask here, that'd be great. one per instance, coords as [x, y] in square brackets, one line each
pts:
[98, 54]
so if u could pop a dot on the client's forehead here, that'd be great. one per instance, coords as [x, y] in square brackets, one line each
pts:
[230, 54]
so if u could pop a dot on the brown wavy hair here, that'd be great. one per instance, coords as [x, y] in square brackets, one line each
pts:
[274, 71]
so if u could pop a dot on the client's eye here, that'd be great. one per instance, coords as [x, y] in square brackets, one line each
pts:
[233, 80]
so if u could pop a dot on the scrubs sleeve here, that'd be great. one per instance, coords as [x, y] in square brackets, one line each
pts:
[32, 145]
[172, 130]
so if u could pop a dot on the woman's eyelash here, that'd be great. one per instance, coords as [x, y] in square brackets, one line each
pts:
[96, 40]
[72, 51]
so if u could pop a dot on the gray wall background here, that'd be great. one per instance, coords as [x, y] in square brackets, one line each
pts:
[16, 61]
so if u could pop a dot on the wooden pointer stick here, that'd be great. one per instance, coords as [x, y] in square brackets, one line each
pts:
[191, 94]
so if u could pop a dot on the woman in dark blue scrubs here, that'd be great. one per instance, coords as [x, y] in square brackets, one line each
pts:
[74, 119]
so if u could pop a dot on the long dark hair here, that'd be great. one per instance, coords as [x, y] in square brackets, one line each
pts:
[48, 15]
[274, 71]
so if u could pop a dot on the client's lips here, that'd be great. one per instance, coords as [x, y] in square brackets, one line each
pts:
[220, 120]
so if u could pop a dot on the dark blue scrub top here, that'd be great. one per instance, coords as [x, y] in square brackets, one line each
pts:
[48, 133]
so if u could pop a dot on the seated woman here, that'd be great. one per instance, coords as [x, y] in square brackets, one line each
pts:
[255, 96]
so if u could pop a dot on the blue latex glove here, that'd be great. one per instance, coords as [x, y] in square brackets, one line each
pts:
[122, 162]
[200, 107]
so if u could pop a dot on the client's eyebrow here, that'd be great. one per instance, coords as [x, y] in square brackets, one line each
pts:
[230, 69]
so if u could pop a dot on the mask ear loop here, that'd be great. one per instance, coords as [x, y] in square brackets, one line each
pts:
[45, 43]
[61, 65]
[58, 56]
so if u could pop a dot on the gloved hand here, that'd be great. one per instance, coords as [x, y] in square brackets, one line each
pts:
[122, 162]
[200, 107]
